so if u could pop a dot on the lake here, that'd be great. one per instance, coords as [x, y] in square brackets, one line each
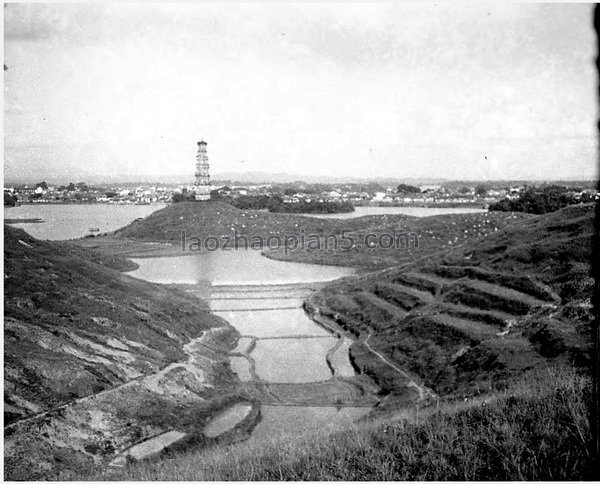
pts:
[72, 221]
[413, 211]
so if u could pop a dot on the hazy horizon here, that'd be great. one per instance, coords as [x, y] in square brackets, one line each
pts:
[456, 92]
[273, 177]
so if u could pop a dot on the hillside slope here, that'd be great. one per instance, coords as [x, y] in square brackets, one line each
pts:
[76, 330]
[467, 321]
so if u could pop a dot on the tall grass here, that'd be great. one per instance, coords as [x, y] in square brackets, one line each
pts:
[536, 430]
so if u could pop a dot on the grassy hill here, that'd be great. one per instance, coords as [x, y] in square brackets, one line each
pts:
[466, 321]
[414, 238]
[218, 219]
[80, 340]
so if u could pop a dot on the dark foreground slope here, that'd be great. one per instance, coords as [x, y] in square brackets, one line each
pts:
[81, 341]
[536, 430]
[467, 321]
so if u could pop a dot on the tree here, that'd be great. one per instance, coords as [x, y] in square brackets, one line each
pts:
[535, 201]
[43, 184]
[10, 200]
[481, 190]
[274, 203]
[404, 188]
[71, 187]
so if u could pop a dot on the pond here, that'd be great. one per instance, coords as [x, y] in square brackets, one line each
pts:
[224, 267]
[149, 447]
[241, 367]
[227, 419]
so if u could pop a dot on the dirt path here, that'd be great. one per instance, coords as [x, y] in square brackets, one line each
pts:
[329, 324]
[152, 378]
[424, 392]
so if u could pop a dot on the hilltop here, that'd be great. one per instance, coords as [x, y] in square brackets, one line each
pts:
[83, 345]
[190, 221]
[217, 219]
[365, 242]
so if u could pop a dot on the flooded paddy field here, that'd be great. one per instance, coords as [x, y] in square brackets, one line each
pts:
[270, 323]
[298, 370]
[293, 360]
[281, 421]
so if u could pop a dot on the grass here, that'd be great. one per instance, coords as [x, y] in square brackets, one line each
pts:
[536, 430]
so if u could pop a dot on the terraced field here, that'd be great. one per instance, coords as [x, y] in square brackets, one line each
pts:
[466, 321]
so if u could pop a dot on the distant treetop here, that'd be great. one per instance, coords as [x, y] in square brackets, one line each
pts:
[404, 188]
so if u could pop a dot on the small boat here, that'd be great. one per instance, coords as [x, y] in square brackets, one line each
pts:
[94, 229]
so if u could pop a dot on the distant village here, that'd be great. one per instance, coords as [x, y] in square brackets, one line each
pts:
[369, 193]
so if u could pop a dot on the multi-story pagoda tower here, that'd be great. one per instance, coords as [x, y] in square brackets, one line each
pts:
[202, 184]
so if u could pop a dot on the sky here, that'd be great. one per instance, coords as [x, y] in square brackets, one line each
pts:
[327, 89]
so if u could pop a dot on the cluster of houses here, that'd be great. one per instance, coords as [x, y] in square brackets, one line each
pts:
[81, 193]
[291, 193]
[427, 194]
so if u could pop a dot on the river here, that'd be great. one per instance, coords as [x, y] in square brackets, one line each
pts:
[413, 211]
